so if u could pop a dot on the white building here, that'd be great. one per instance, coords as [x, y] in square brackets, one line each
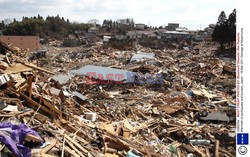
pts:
[120, 37]
[175, 34]
[131, 34]
[140, 26]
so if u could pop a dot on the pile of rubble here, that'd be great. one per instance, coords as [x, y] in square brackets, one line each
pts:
[178, 103]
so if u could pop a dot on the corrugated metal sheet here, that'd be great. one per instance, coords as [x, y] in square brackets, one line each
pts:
[62, 78]
[106, 72]
[141, 55]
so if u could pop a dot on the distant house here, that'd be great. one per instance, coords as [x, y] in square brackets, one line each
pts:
[80, 32]
[172, 26]
[140, 26]
[93, 30]
[192, 32]
[181, 29]
[175, 35]
[139, 34]
[120, 36]
[160, 31]
[149, 34]
[198, 38]
[131, 34]
[208, 31]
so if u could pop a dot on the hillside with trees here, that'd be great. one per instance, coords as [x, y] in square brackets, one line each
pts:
[55, 27]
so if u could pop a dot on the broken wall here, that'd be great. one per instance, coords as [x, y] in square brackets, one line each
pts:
[23, 42]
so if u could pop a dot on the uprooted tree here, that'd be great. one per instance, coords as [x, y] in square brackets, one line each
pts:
[225, 30]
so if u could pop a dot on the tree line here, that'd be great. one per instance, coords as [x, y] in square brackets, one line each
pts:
[118, 26]
[225, 30]
[52, 27]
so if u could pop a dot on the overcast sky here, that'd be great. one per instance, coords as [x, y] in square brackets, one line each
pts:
[189, 13]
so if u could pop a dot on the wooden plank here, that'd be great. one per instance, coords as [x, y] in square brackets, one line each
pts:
[48, 155]
[74, 148]
[49, 147]
[29, 88]
[199, 151]
[30, 137]
[227, 152]
[32, 102]
[208, 152]
[70, 151]
[216, 151]
[16, 100]
[46, 103]
[1, 146]
[76, 144]
[17, 68]
[146, 149]
[23, 87]
[38, 68]
[110, 155]
[63, 147]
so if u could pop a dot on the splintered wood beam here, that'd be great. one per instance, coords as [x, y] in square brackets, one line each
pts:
[29, 88]
[38, 68]
[49, 147]
[34, 103]
[53, 108]
[216, 151]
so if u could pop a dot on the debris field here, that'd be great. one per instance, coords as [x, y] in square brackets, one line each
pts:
[138, 102]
